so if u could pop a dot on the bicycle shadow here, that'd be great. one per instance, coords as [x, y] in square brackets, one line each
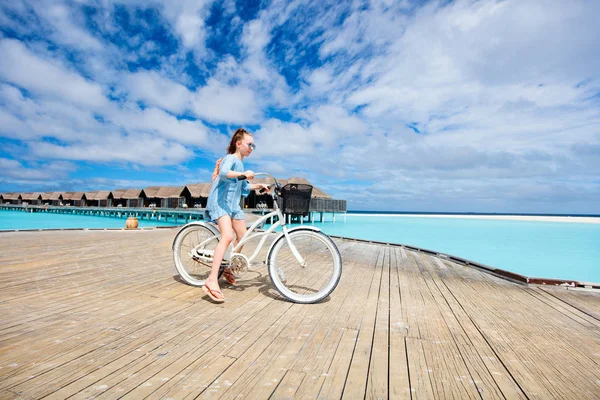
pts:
[261, 281]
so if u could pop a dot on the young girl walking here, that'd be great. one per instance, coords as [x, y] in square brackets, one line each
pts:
[223, 205]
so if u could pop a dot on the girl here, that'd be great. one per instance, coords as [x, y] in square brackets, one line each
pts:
[223, 205]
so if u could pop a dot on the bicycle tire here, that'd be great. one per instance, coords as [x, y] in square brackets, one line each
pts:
[313, 282]
[193, 270]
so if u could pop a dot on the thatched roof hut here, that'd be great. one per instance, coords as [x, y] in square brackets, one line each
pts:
[32, 198]
[99, 198]
[99, 195]
[74, 198]
[165, 196]
[128, 197]
[11, 198]
[199, 190]
[52, 198]
[198, 194]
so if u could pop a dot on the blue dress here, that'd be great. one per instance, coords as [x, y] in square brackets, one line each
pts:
[225, 193]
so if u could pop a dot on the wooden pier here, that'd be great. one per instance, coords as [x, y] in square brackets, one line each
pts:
[102, 314]
[175, 215]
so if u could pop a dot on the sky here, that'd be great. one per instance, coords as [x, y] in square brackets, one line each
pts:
[452, 106]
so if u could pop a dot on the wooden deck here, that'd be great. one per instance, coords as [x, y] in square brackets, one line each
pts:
[101, 314]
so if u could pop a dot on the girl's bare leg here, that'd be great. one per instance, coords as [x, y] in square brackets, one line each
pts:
[226, 229]
[239, 226]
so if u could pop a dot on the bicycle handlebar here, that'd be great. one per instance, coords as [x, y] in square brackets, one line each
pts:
[264, 174]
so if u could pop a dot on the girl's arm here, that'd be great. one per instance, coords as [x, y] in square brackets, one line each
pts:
[226, 169]
[234, 174]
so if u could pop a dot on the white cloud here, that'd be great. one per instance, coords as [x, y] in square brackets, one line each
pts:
[187, 18]
[15, 172]
[159, 122]
[142, 149]
[191, 29]
[152, 88]
[66, 29]
[21, 67]
[219, 102]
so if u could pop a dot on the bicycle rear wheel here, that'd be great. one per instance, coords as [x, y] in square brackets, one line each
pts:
[318, 277]
[193, 250]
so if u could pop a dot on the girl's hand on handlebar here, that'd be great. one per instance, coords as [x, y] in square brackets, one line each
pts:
[249, 175]
[262, 188]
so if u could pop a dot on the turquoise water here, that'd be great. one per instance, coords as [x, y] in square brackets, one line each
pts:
[561, 250]
[532, 248]
[25, 220]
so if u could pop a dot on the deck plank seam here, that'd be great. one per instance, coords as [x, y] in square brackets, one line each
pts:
[457, 347]
[540, 297]
[367, 375]
[361, 329]
[483, 336]
[569, 304]
[426, 272]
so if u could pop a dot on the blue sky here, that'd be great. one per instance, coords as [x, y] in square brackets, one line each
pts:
[482, 106]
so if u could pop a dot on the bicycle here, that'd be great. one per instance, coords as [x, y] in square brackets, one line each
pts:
[304, 264]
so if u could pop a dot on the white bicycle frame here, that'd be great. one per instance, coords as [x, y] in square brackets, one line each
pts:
[250, 234]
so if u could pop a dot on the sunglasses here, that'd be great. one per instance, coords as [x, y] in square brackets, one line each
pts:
[251, 146]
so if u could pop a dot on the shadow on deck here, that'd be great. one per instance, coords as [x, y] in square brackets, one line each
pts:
[101, 314]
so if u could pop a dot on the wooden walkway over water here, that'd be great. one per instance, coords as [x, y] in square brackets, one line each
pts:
[100, 314]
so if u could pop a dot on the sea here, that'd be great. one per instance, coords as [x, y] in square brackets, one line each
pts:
[541, 249]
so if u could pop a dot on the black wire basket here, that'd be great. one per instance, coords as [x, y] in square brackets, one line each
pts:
[295, 199]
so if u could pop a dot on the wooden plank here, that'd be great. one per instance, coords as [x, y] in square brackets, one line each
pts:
[310, 353]
[448, 374]
[399, 384]
[356, 382]
[489, 375]
[576, 309]
[419, 372]
[377, 382]
[335, 379]
[287, 388]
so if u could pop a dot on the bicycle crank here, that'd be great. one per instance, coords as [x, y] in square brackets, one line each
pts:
[239, 264]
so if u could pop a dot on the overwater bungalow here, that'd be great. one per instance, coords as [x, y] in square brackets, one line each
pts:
[166, 196]
[34, 199]
[77, 199]
[11, 198]
[99, 198]
[52, 198]
[128, 198]
[198, 194]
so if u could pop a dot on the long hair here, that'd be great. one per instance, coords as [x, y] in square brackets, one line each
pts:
[237, 135]
[231, 149]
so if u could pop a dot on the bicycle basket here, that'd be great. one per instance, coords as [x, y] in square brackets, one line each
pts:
[296, 198]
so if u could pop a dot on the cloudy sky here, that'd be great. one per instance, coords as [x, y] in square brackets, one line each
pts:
[482, 106]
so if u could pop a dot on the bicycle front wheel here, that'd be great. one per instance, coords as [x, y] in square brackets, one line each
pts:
[312, 281]
[193, 250]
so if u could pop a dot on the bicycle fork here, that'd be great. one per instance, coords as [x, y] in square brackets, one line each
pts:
[299, 258]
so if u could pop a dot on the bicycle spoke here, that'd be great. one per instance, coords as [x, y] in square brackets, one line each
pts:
[192, 268]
